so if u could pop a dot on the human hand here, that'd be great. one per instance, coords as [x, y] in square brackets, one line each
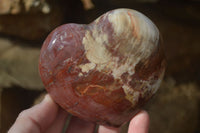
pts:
[48, 117]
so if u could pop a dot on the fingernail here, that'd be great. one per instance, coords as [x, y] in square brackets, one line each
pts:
[47, 98]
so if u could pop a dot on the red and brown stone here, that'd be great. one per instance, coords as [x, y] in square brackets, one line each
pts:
[105, 71]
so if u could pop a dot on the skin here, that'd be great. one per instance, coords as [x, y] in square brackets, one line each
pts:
[48, 117]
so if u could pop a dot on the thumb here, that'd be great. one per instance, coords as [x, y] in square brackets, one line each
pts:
[139, 123]
[37, 118]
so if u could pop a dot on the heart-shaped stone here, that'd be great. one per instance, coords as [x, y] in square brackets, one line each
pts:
[105, 71]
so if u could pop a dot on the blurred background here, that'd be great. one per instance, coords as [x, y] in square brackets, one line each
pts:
[24, 24]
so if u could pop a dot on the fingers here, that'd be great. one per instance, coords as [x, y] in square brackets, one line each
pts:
[58, 124]
[36, 119]
[140, 123]
[48, 117]
[80, 126]
[104, 129]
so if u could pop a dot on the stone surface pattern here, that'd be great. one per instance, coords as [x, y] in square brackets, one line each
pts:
[96, 64]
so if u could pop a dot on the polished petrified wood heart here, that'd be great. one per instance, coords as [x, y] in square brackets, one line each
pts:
[105, 71]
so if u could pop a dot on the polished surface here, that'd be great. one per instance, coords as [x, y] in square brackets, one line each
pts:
[105, 71]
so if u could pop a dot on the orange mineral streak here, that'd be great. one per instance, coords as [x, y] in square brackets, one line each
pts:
[90, 90]
[134, 24]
